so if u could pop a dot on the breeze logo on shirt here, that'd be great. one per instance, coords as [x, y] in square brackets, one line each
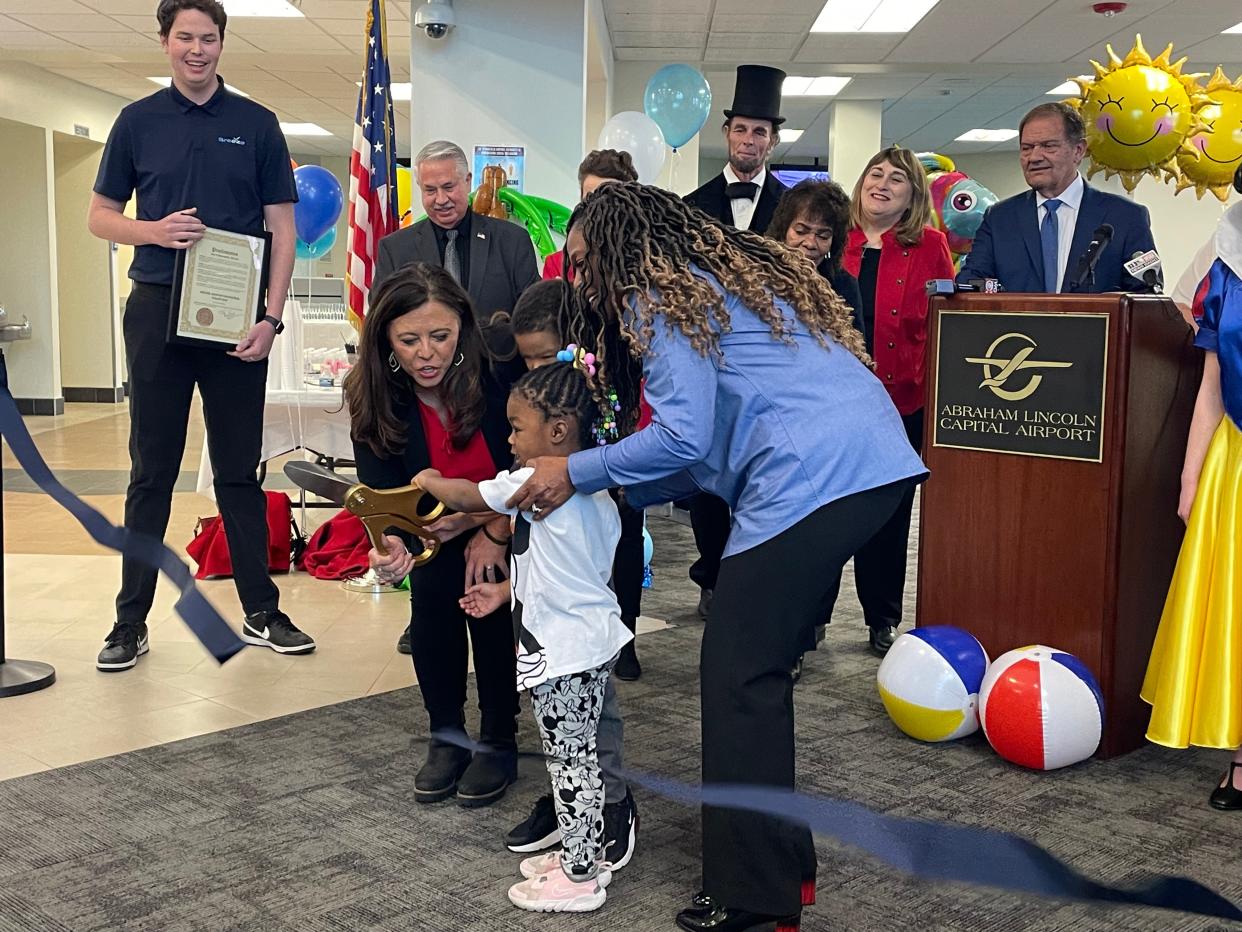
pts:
[235, 141]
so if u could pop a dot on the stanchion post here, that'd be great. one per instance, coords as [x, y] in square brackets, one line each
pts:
[16, 676]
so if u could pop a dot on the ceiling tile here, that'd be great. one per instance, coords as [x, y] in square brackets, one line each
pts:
[658, 22]
[752, 56]
[109, 40]
[78, 22]
[342, 9]
[761, 22]
[746, 40]
[668, 40]
[44, 7]
[33, 41]
[121, 7]
[635, 54]
[831, 48]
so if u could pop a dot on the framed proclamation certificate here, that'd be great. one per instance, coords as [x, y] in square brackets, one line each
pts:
[219, 288]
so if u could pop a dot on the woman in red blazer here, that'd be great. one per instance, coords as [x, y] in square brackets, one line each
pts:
[893, 251]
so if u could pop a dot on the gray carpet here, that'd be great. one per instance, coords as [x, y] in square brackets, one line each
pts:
[306, 824]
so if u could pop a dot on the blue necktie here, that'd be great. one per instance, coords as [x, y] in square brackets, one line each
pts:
[1048, 240]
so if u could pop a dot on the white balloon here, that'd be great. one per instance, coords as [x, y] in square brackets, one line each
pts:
[636, 133]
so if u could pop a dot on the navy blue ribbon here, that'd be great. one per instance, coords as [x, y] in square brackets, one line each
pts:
[202, 619]
[927, 850]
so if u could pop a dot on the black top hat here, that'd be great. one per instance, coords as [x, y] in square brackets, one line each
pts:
[757, 94]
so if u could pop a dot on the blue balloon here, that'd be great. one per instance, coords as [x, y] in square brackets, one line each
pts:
[319, 202]
[321, 246]
[679, 100]
[648, 548]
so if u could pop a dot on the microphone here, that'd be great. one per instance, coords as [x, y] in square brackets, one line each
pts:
[1086, 266]
[1146, 266]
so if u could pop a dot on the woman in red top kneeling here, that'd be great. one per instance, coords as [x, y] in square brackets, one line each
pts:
[423, 396]
[893, 251]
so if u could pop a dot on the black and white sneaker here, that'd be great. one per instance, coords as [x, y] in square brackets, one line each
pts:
[275, 630]
[122, 648]
[539, 832]
[620, 831]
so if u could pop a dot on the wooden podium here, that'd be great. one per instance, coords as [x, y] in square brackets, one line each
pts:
[1051, 512]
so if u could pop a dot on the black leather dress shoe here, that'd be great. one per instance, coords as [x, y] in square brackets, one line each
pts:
[487, 778]
[1226, 797]
[796, 673]
[403, 642]
[881, 639]
[712, 917]
[705, 603]
[437, 778]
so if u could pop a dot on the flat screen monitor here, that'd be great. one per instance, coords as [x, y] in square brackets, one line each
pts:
[790, 175]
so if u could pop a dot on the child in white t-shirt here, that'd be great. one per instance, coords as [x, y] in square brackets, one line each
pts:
[566, 621]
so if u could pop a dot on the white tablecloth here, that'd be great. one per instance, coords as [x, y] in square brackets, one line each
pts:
[313, 419]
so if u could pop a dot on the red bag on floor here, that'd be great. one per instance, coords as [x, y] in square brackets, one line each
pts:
[210, 548]
[338, 548]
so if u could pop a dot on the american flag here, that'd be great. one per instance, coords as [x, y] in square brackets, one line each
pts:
[372, 168]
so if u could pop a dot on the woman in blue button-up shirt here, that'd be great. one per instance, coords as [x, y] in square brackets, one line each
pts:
[761, 395]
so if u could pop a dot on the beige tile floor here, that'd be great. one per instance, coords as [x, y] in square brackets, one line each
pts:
[59, 595]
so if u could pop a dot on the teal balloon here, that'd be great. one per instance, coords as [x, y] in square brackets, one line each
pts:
[321, 246]
[648, 548]
[679, 100]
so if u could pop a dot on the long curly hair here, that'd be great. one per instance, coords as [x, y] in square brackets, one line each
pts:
[379, 394]
[641, 244]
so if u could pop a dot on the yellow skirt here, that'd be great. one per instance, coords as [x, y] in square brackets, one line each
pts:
[1194, 676]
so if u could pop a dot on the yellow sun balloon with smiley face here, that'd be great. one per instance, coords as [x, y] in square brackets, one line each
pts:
[1139, 113]
[1219, 149]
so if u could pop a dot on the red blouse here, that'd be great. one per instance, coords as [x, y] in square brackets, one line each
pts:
[900, 341]
[554, 265]
[473, 462]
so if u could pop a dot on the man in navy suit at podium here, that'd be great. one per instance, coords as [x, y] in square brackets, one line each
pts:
[1036, 241]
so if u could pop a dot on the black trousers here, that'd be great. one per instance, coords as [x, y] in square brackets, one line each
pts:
[161, 384]
[710, 520]
[880, 563]
[627, 564]
[438, 641]
[767, 601]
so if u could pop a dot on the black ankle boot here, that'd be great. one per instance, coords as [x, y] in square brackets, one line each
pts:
[487, 777]
[437, 779]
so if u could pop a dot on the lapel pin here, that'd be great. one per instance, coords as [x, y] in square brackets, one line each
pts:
[481, 235]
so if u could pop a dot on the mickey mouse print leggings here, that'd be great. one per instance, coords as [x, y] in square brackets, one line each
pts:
[567, 709]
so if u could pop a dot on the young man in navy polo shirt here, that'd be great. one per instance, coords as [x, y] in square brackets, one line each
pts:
[197, 156]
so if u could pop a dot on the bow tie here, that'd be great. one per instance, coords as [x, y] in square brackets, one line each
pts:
[746, 189]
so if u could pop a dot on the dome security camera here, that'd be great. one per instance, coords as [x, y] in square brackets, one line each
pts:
[435, 18]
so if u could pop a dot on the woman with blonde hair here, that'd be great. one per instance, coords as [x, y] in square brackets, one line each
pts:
[893, 251]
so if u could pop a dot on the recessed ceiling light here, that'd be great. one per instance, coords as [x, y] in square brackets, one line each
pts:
[260, 8]
[165, 82]
[827, 86]
[1069, 87]
[303, 129]
[1233, 30]
[988, 135]
[871, 15]
[791, 135]
[400, 89]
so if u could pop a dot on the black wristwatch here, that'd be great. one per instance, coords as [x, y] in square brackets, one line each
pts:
[277, 324]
